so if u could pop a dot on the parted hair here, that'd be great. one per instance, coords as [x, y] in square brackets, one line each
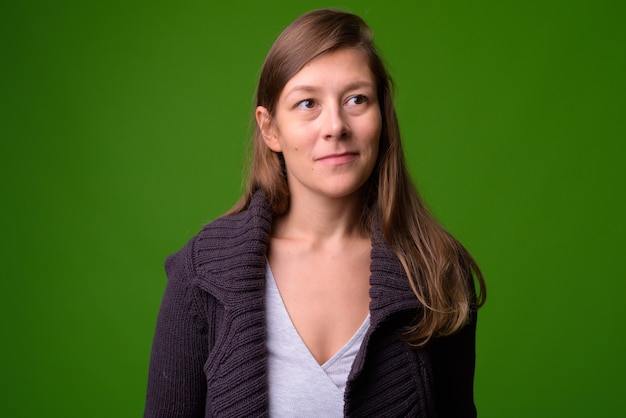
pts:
[443, 275]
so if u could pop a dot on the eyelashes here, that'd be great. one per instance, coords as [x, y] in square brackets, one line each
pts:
[356, 100]
[306, 104]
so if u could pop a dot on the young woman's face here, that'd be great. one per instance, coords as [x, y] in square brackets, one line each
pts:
[327, 124]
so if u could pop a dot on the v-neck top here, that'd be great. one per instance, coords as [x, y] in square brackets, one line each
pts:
[298, 384]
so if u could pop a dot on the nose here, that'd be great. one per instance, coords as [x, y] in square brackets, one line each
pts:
[335, 125]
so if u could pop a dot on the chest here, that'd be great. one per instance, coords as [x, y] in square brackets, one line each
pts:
[325, 295]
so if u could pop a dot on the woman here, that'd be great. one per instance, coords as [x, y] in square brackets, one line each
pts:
[329, 289]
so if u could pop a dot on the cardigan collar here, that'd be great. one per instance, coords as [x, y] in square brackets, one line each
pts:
[229, 256]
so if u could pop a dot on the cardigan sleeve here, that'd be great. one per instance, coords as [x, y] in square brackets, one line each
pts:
[453, 362]
[176, 381]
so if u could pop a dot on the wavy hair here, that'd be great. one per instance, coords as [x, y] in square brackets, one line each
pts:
[441, 272]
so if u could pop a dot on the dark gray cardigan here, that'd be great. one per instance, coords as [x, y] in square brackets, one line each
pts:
[209, 356]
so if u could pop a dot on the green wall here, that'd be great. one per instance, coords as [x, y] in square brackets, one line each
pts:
[123, 130]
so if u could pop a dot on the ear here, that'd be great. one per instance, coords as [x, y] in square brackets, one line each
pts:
[264, 122]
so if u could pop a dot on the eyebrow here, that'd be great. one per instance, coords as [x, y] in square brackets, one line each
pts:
[312, 89]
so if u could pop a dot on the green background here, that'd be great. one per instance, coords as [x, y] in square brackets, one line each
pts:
[123, 131]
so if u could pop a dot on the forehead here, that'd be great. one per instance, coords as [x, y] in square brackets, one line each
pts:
[332, 69]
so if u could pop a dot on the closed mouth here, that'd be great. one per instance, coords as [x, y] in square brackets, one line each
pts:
[338, 158]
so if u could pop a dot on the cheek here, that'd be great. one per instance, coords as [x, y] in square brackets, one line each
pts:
[288, 137]
[294, 140]
[372, 134]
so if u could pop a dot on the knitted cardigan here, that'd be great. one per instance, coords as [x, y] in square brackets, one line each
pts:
[209, 355]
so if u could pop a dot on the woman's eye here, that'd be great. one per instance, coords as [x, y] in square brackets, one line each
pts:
[307, 104]
[357, 100]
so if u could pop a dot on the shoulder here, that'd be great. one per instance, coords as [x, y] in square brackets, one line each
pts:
[225, 244]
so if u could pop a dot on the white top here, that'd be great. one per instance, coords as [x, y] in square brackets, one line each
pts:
[298, 385]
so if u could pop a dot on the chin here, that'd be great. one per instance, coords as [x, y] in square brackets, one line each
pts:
[344, 191]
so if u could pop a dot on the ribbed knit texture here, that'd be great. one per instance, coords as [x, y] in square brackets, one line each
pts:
[209, 355]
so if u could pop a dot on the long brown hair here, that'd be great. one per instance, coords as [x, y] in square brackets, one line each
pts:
[439, 268]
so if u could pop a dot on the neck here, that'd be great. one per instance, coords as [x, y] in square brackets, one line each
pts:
[321, 219]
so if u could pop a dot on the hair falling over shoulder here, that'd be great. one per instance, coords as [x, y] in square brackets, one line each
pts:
[440, 270]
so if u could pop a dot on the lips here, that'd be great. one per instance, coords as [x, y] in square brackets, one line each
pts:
[338, 158]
